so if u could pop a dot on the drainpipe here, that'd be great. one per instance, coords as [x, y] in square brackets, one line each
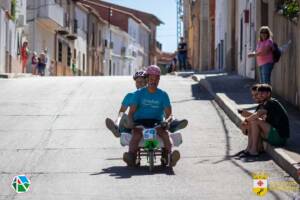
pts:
[88, 39]
[55, 51]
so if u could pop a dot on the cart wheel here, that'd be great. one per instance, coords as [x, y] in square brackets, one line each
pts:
[138, 162]
[151, 160]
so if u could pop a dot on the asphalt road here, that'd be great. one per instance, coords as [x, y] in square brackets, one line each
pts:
[53, 131]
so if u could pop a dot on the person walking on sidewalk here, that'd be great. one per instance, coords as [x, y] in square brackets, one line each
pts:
[182, 54]
[274, 129]
[264, 54]
[24, 56]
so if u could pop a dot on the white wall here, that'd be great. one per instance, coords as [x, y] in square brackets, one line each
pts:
[81, 42]
[105, 36]
[220, 33]
[81, 17]
[125, 64]
[133, 29]
[139, 43]
[44, 39]
[2, 41]
[246, 44]
[144, 42]
[5, 4]
[11, 42]
[21, 8]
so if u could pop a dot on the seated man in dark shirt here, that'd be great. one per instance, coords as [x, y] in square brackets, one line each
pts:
[245, 126]
[275, 128]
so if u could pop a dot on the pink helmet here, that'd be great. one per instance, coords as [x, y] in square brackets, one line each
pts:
[153, 70]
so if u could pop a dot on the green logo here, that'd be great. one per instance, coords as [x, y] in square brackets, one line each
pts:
[21, 184]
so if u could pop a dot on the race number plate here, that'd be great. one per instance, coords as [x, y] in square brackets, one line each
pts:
[149, 134]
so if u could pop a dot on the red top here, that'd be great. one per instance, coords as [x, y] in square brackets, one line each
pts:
[24, 53]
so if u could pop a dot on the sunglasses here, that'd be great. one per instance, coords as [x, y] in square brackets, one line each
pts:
[264, 32]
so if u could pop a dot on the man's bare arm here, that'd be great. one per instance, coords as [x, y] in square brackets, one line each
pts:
[168, 113]
[246, 113]
[256, 115]
[123, 109]
[132, 110]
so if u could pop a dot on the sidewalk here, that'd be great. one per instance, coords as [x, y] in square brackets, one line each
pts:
[232, 92]
[15, 75]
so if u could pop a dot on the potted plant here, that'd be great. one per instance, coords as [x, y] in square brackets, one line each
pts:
[289, 9]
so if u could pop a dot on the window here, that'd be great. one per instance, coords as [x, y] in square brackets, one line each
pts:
[75, 53]
[69, 56]
[93, 34]
[59, 51]
[83, 62]
[67, 20]
[75, 26]
[100, 37]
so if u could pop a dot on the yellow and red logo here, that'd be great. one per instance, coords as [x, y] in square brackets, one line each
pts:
[260, 184]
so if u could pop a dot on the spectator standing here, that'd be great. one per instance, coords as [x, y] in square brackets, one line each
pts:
[52, 67]
[42, 61]
[24, 56]
[182, 54]
[264, 54]
[34, 63]
[74, 67]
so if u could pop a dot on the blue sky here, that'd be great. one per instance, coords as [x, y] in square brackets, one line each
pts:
[165, 10]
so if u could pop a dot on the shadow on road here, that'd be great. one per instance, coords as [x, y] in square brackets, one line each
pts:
[233, 160]
[186, 74]
[120, 172]
[199, 93]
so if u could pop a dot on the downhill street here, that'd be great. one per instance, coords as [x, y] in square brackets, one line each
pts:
[52, 130]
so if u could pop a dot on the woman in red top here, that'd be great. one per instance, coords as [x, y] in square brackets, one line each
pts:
[24, 55]
[264, 54]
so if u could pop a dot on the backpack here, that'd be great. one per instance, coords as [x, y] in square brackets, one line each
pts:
[276, 53]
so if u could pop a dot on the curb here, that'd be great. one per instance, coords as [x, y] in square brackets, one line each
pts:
[16, 75]
[277, 154]
[4, 76]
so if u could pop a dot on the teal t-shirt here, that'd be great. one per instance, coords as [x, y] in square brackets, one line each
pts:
[127, 101]
[150, 105]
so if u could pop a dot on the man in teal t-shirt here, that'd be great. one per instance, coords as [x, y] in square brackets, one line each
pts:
[151, 106]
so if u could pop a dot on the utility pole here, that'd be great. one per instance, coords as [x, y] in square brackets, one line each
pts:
[179, 19]
[110, 42]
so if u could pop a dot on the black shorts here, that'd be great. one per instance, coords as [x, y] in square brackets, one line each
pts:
[147, 123]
